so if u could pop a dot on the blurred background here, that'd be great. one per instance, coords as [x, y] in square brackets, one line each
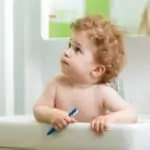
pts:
[34, 33]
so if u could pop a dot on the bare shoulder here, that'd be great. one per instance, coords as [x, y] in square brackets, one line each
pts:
[109, 93]
[111, 98]
[48, 95]
[105, 89]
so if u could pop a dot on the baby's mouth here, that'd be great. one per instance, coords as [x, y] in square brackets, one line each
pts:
[64, 62]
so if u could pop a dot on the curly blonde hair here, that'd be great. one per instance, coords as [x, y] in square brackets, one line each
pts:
[108, 40]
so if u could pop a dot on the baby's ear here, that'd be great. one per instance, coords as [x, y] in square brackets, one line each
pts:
[98, 71]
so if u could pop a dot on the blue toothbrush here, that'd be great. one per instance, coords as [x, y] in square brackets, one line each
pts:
[73, 112]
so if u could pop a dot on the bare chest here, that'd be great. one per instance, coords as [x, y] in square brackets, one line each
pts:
[86, 101]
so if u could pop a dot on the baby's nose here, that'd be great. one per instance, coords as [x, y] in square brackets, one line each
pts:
[67, 53]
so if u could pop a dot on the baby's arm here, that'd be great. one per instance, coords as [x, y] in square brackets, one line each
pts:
[44, 106]
[45, 111]
[120, 111]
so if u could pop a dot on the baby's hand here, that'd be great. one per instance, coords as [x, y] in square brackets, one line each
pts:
[61, 119]
[100, 124]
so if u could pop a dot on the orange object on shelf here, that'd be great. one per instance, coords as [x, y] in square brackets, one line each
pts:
[52, 16]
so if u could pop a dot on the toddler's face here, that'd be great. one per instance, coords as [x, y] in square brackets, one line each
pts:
[78, 60]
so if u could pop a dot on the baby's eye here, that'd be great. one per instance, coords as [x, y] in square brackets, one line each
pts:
[77, 49]
[69, 45]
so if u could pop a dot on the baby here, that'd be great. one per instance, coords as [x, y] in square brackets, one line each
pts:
[94, 57]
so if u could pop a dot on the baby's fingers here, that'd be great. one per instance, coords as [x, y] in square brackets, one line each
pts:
[102, 126]
[67, 119]
[96, 125]
[99, 126]
[93, 124]
[60, 125]
[73, 120]
[70, 119]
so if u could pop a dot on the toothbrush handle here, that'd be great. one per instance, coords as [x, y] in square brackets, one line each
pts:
[71, 113]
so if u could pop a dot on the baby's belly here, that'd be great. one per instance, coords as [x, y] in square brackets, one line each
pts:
[86, 113]
[85, 117]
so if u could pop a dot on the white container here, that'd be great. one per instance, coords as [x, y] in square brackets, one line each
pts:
[22, 132]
